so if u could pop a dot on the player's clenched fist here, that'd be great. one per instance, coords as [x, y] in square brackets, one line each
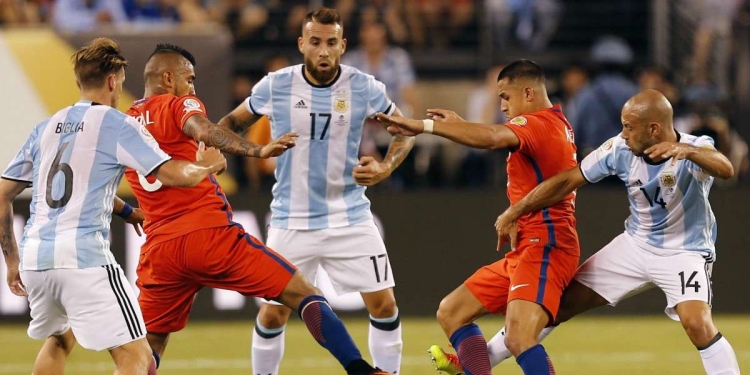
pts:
[369, 171]
[211, 158]
[278, 146]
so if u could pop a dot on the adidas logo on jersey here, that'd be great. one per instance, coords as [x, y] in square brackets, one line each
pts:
[301, 105]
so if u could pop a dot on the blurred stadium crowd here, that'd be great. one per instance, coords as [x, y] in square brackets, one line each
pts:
[597, 55]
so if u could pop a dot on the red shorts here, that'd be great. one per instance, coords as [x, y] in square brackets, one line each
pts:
[172, 271]
[533, 272]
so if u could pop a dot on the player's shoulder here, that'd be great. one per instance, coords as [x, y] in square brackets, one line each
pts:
[287, 72]
[615, 144]
[355, 74]
[695, 140]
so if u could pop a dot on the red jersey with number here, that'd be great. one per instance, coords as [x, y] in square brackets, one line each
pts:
[546, 148]
[172, 212]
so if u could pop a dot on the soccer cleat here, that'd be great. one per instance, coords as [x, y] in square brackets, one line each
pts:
[378, 371]
[445, 362]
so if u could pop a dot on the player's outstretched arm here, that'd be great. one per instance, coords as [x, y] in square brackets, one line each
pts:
[547, 193]
[467, 133]
[201, 129]
[180, 173]
[709, 159]
[9, 190]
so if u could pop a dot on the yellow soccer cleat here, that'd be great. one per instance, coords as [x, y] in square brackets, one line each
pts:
[445, 362]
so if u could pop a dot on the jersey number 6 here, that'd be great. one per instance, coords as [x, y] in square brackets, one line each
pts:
[67, 172]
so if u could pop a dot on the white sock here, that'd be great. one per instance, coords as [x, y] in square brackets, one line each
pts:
[386, 344]
[499, 352]
[268, 348]
[719, 359]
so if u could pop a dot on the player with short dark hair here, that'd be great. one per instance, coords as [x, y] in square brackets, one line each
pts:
[192, 241]
[527, 284]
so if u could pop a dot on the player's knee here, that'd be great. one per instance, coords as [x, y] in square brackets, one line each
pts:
[273, 317]
[136, 355]
[446, 314]
[384, 308]
[700, 330]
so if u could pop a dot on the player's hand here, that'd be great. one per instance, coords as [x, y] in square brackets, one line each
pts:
[438, 114]
[665, 150]
[211, 158]
[401, 125]
[506, 226]
[14, 281]
[136, 219]
[278, 146]
[369, 171]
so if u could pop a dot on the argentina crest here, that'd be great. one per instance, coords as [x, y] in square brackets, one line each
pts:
[341, 104]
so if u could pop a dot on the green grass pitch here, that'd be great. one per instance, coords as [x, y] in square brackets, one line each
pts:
[587, 345]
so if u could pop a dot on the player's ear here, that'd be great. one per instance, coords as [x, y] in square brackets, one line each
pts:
[300, 44]
[112, 82]
[528, 93]
[167, 79]
[343, 46]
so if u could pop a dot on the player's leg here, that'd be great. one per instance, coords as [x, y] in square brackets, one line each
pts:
[167, 289]
[456, 315]
[685, 278]
[104, 314]
[268, 338]
[538, 279]
[576, 299]
[54, 352]
[133, 358]
[385, 341]
[299, 248]
[612, 274]
[253, 269]
[356, 260]
[49, 322]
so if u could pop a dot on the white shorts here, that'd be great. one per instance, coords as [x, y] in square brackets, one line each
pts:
[97, 303]
[354, 256]
[623, 269]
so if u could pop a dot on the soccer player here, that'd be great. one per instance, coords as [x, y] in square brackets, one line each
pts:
[669, 238]
[191, 240]
[527, 284]
[320, 214]
[74, 162]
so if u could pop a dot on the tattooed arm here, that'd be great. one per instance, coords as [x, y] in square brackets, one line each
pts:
[369, 171]
[201, 129]
[239, 119]
[9, 190]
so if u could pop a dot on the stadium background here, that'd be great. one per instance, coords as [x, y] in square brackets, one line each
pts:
[437, 212]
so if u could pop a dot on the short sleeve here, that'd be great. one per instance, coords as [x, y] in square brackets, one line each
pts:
[698, 172]
[185, 107]
[378, 100]
[258, 103]
[21, 168]
[601, 162]
[530, 132]
[137, 148]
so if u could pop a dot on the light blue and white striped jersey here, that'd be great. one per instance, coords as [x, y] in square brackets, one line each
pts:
[315, 188]
[669, 208]
[75, 161]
